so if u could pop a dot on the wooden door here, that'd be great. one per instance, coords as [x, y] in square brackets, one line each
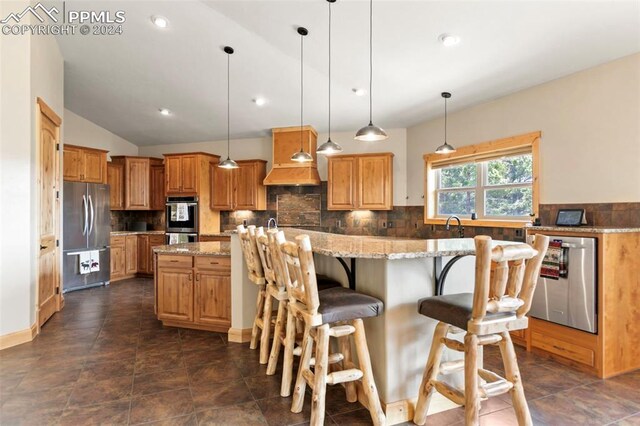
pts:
[118, 262]
[375, 187]
[143, 254]
[71, 162]
[221, 188]
[213, 298]
[173, 172]
[157, 188]
[93, 166]
[244, 187]
[137, 176]
[341, 183]
[131, 254]
[115, 180]
[190, 173]
[154, 241]
[49, 299]
[175, 294]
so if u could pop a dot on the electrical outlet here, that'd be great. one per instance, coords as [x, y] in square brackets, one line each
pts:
[244, 222]
[339, 223]
[519, 232]
[384, 224]
[390, 225]
[433, 228]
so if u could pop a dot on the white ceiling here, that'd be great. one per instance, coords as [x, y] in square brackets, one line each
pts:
[119, 82]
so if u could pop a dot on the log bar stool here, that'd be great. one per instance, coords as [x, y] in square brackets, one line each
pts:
[335, 312]
[256, 275]
[487, 316]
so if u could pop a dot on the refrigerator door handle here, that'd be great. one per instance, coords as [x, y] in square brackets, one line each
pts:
[92, 214]
[86, 215]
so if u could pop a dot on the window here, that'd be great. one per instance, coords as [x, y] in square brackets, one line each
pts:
[497, 180]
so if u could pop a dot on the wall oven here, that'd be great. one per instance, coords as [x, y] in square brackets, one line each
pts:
[181, 215]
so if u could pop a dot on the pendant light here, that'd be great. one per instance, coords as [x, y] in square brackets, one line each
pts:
[445, 148]
[370, 132]
[228, 163]
[302, 156]
[329, 147]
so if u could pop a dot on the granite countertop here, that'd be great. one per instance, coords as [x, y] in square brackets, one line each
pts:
[116, 233]
[587, 229]
[354, 246]
[214, 248]
[219, 234]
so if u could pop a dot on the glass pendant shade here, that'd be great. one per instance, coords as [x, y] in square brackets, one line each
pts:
[371, 133]
[228, 164]
[328, 148]
[445, 148]
[302, 157]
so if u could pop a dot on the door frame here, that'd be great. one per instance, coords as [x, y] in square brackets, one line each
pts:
[43, 108]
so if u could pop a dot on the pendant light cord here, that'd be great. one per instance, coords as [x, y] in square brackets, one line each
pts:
[329, 71]
[228, 103]
[301, 89]
[445, 121]
[370, 62]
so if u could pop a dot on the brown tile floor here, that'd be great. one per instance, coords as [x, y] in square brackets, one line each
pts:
[106, 360]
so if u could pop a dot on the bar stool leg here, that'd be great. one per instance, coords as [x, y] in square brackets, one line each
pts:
[289, 346]
[512, 373]
[256, 320]
[320, 376]
[431, 372]
[471, 395]
[266, 328]
[344, 346]
[368, 383]
[305, 362]
[277, 343]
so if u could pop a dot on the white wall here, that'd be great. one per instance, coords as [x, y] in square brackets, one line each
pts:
[260, 148]
[30, 67]
[82, 132]
[590, 123]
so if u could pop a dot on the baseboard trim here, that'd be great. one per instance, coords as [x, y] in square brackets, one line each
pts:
[239, 335]
[18, 337]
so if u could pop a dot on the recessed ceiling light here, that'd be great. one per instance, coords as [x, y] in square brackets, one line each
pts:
[160, 21]
[449, 39]
[164, 111]
[260, 101]
[359, 92]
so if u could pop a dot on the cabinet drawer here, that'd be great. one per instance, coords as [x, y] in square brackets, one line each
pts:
[175, 261]
[562, 348]
[213, 262]
[118, 241]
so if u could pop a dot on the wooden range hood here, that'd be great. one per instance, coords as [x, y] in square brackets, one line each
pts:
[286, 142]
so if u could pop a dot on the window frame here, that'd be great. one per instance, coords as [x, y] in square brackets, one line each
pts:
[482, 153]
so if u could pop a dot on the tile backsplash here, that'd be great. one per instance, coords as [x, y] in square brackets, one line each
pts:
[121, 220]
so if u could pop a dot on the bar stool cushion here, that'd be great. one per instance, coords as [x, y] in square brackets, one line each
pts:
[454, 309]
[343, 304]
[324, 282]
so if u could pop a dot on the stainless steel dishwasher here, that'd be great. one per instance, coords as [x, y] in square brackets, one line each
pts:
[571, 299]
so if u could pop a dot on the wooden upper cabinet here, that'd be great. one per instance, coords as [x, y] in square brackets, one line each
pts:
[241, 188]
[375, 182]
[363, 181]
[189, 174]
[137, 183]
[115, 180]
[81, 164]
[173, 174]
[157, 188]
[341, 191]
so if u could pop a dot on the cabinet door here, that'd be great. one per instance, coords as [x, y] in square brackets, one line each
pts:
[154, 241]
[375, 187]
[175, 294]
[189, 173]
[341, 183]
[221, 188]
[131, 253]
[137, 184]
[157, 188]
[71, 160]
[244, 186]
[143, 254]
[115, 177]
[93, 166]
[173, 172]
[117, 262]
[213, 298]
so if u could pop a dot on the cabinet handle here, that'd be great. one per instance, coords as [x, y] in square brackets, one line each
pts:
[191, 277]
[173, 261]
[197, 277]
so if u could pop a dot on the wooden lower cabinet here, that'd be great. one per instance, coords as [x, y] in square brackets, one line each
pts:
[214, 238]
[117, 258]
[194, 291]
[132, 255]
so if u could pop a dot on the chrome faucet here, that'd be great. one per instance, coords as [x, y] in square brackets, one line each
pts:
[460, 227]
[270, 221]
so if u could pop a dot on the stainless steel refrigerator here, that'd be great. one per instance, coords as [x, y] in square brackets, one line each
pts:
[87, 229]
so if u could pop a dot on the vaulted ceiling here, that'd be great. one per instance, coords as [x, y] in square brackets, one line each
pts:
[120, 81]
